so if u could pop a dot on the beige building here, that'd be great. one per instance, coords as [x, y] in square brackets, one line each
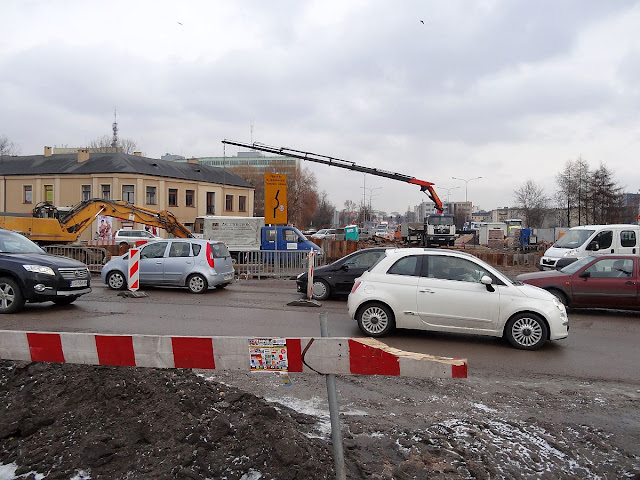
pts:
[187, 189]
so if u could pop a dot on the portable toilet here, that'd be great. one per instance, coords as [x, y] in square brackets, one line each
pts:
[351, 233]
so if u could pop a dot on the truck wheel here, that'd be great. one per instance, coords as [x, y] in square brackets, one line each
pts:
[11, 298]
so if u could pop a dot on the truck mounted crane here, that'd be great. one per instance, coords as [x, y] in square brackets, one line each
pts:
[48, 225]
[425, 186]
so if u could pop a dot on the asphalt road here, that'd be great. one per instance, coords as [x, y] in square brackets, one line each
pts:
[602, 345]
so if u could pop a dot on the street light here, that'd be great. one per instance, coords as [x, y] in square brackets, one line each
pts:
[448, 191]
[466, 191]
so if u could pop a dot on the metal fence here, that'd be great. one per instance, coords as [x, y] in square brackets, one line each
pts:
[274, 263]
[93, 257]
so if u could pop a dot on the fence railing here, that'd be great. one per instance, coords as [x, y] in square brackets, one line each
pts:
[93, 257]
[273, 263]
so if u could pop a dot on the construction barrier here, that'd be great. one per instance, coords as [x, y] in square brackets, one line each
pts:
[325, 355]
[133, 275]
[93, 257]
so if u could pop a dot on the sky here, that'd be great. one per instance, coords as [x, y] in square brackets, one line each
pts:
[506, 90]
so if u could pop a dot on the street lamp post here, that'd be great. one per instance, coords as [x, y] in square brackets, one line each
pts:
[448, 191]
[466, 185]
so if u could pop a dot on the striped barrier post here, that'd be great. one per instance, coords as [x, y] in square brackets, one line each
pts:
[312, 261]
[325, 355]
[134, 269]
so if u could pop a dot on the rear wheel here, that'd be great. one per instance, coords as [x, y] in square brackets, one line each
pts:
[116, 280]
[526, 331]
[11, 298]
[196, 283]
[375, 319]
[321, 289]
[65, 300]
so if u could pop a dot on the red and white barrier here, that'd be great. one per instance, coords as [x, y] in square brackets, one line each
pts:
[134, 269]
[312, 262]
[326, 355]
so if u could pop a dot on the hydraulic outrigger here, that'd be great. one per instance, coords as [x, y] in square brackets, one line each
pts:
[425, 186]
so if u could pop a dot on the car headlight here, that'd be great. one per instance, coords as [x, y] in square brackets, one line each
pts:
[39, 269]
[571, 253]
[559, 305]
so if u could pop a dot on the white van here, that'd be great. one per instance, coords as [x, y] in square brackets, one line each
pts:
[579, 242]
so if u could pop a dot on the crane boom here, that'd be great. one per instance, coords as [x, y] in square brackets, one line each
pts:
[425, 186]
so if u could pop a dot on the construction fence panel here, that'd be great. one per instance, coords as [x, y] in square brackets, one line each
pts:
[93, 257]
[273, 263]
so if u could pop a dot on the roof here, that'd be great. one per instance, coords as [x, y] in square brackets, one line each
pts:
[114, 163]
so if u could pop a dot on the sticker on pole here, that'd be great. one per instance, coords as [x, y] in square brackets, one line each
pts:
[268, 354]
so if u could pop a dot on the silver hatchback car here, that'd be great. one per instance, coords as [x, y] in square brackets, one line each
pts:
[179, 262]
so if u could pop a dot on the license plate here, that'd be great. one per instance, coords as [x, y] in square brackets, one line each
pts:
[228, 276]
[78, 283]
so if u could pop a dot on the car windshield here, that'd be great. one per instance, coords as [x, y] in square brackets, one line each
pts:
[577, 265]
[11, 242]
[573, 238]
[440, 220]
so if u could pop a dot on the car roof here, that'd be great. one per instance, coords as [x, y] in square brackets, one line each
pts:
[430, 251]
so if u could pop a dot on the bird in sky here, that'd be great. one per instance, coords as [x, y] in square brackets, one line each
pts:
[181, 23]
[422, 22]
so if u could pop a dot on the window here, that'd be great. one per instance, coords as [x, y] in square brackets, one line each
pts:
[242, 203]
[151, 196]
[86, 192]
[228, 203]
[106, 192]
[364, 260]
[628, 238]
[48, 193]
[611, 268]
[173, 197]
[603, 239]
[27, 196]
[128, 193]
[290, 236]
[404, 266]
[188, 198]
[179, 249]
[270, 234]
[452, 268]
[211, 203]
[154, 250]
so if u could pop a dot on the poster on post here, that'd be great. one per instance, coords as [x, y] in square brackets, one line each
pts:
[268, 354]
[105, 228]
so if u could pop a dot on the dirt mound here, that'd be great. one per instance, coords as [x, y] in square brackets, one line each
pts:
[109, 422]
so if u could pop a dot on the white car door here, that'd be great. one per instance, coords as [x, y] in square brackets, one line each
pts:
[451, 297]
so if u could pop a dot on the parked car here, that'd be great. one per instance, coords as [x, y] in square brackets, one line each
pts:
[329, 233]
[337, 278]
[179, 262]
[449, 291]
[610, 281]
[320, 233]
[131, 237]
[29, 274]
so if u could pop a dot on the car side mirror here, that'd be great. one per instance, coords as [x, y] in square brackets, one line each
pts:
[487, 281]
[344, 267]
[593, 246]
[585, 275]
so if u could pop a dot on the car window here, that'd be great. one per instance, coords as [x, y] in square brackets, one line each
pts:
[196, 249]
[453, 268]
[219, 250]
[179, 249]
[154, 250]
[604, 239]
[290, 236]
[611, 268]
[405, 266]
[364, 259]
[628, 238]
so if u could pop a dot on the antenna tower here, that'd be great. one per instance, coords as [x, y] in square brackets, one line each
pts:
[114, 141]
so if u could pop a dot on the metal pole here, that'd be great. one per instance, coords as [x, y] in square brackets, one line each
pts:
[334, 413]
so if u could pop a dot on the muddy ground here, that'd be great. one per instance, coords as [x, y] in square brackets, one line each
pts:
[75, 421]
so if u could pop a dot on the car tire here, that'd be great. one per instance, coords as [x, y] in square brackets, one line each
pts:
[116, 280]
[526, 331]
[11, 298]
[222, 285]
[197, 283]
[375, 319]
[562, 298]
[64, 300]
[321, 289]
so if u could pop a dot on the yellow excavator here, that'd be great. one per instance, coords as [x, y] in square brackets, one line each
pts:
[48, 224]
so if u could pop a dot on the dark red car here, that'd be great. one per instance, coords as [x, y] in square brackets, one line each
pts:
[609, 281]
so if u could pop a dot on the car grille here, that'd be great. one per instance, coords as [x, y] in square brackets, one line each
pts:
[74, 273]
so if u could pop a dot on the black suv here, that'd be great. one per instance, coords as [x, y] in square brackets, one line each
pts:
[29, 274]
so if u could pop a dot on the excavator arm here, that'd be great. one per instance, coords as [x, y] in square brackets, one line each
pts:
[77, 219]
[425, 186]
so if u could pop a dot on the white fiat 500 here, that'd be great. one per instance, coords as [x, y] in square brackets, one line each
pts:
[447, 291]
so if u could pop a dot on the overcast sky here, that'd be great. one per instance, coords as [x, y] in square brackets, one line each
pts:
[506, 90]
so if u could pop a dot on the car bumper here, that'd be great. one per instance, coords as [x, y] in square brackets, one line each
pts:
[550, 263]
[214, 279]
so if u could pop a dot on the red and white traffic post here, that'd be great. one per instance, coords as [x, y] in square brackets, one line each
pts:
[312, 261]
[133, 276]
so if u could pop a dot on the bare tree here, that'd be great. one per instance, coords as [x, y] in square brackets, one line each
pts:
[7, 147]
[302, 197]
[323, 217]
[533, 202]
[605, 197]
[103, 144]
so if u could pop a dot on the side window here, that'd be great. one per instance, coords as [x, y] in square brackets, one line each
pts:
[179, 249]
[453, 268]
[404, 266]
[270, 235]
[290, 236]
[196, 249]
[628, 238]
[154, 250]
[611, 268]
[604, 239]
[364, 260]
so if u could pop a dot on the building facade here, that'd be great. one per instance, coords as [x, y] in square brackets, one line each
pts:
[187, 190]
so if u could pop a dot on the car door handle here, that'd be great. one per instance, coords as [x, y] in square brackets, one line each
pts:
[425, 290]
[630, 283]
[158, 263]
